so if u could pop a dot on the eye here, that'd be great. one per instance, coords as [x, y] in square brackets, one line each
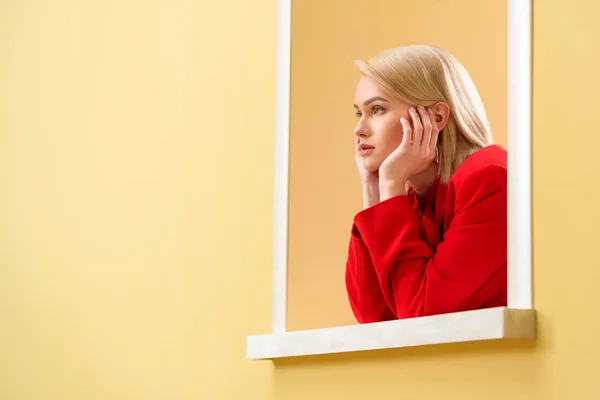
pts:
[374, 109]
[378, 110]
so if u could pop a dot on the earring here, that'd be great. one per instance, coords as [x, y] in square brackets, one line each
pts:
[437, 155]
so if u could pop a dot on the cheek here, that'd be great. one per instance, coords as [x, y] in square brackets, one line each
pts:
[392, 133]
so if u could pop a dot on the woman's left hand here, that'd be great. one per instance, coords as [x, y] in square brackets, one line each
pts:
[415, 153]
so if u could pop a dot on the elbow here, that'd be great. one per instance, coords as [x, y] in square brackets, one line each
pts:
[368, 307]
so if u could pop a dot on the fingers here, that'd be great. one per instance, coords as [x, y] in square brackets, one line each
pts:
[407, 138]
[423, 136]
[427, 126]
[418, 127]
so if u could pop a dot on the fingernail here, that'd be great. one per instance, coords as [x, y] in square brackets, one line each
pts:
[412, 108]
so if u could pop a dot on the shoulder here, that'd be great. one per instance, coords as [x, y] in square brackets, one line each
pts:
[482, 174]
[489, 162]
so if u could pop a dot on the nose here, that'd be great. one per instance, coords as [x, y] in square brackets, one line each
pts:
[361, 130]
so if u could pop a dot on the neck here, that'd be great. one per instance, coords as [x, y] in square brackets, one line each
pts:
[423, 181]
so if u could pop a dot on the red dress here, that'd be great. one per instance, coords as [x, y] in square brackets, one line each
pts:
[410, 256]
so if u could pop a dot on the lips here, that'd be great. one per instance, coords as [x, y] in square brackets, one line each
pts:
[364, 149]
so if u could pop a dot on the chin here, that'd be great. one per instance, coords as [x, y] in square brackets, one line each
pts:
[371, 165]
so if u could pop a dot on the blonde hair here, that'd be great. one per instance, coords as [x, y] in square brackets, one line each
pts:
[424, 75]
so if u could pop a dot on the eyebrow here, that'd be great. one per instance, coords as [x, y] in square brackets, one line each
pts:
[372, 99]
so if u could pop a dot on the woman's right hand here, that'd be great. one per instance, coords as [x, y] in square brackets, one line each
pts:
[366, 177]
[370, 181]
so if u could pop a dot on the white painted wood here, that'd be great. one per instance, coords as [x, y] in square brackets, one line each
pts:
[488, 324]
[282, 115]
[520, 282]
[516, 321]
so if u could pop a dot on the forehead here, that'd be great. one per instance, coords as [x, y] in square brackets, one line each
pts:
[367, 88]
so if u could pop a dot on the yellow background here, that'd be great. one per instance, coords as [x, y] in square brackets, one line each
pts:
[325, 191]
[136, 172]
[135, 240]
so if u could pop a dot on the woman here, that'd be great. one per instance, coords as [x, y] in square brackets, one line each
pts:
[431, 238]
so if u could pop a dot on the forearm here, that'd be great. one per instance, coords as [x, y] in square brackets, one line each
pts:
[362, 285]
[393, 237]
[370, 192]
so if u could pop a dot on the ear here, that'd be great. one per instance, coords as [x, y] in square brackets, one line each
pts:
[441, 112]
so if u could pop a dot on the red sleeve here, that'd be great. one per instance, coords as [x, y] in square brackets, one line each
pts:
[362, 284]
[417, 281]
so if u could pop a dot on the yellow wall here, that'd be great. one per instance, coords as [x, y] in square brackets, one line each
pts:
[118, 231]
[325, 192]
[134, 237]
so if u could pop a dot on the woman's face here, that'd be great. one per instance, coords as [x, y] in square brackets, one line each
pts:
[378, 128]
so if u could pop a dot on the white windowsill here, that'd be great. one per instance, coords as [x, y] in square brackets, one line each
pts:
[487, 324]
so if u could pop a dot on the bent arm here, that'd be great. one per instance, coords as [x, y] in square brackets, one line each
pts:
[362, 285]
[466, 269]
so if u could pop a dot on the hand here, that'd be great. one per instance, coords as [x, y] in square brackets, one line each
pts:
[366, 177]
[415, 153]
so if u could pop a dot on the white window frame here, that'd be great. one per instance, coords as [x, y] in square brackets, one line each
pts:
[515, 321]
